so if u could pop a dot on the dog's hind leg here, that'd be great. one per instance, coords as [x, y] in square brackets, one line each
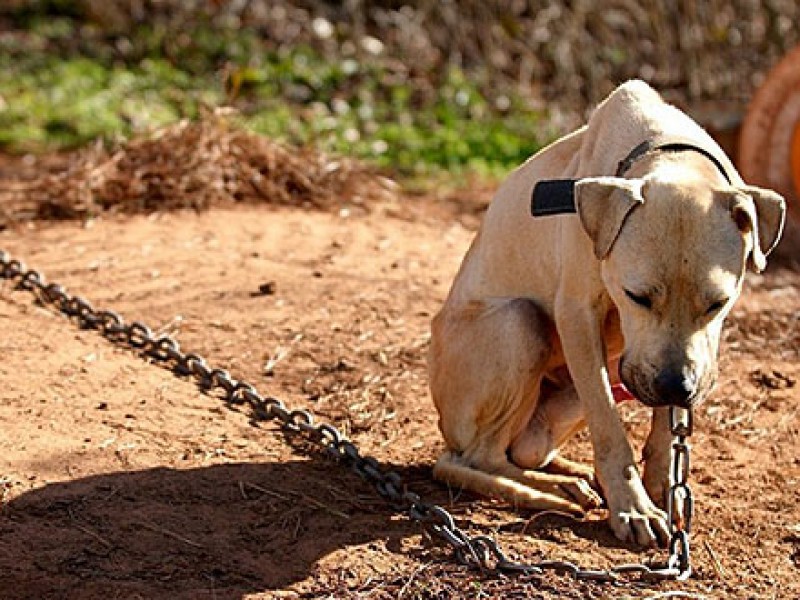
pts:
[486, 367]
[525, 489]
[558, 416]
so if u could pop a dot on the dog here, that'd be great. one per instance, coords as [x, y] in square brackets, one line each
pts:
[640, 236]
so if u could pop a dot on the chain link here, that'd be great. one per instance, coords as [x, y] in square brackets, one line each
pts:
[481, 552]
[680, 502]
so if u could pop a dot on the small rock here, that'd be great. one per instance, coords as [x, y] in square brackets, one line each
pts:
[268, 288]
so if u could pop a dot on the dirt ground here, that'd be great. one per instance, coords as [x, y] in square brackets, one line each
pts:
[120, 480]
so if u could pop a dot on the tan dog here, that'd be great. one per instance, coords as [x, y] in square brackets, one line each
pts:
[548, 312]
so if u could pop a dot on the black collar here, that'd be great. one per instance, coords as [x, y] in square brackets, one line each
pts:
[557, 196]
[667, 145]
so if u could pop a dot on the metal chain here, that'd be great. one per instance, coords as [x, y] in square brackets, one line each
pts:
[480, 551]
[680, 502]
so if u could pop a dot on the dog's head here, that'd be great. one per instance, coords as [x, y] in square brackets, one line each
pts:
[674, 252]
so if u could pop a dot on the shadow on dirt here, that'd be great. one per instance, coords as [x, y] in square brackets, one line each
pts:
[221, 531]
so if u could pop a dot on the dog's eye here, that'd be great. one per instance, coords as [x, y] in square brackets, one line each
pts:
[716, 306]
[639, 299]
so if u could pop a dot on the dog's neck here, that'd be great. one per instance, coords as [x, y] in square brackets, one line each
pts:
[557, 196]
[667, 144]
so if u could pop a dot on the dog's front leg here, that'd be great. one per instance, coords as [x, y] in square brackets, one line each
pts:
[657, 456]
[632, 515]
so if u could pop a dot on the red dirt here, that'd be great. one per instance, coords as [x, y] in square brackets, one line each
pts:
[119, 480]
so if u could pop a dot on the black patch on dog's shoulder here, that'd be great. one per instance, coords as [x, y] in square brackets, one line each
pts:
[553, 197]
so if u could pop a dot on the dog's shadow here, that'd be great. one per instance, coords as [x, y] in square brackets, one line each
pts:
[220, 531]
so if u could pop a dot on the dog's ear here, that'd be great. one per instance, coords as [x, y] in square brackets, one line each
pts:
[762, 219]
[602, 204]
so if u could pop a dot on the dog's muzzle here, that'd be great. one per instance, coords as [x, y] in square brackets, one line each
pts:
[672, 386]
[675, 387]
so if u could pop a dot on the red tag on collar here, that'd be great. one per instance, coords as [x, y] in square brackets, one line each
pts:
[621, 393]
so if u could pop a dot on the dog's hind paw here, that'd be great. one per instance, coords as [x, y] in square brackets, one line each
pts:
[575, 490]
[582, 493]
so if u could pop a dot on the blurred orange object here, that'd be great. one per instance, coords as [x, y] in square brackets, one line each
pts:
[769, 143]
[796, 159]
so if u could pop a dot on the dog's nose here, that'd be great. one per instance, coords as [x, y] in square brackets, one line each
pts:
[675, 388]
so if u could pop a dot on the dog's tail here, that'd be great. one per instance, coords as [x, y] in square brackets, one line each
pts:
[451, 469]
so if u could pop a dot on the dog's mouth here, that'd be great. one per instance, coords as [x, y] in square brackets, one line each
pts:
[643, 394]
[621, 394]
[635, 385]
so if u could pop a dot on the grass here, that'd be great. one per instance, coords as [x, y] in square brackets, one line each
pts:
[63, 86]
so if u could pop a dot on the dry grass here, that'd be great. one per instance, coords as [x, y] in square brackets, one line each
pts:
[192, 165]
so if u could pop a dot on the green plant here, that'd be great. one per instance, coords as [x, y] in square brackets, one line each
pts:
[61, 87]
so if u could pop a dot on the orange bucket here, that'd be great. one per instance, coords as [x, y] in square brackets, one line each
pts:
[769, 143]
[795, 162]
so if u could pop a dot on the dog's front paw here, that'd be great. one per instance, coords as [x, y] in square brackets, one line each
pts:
[634, 518]
[657, 483]
[643, 525]
[657, 469]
